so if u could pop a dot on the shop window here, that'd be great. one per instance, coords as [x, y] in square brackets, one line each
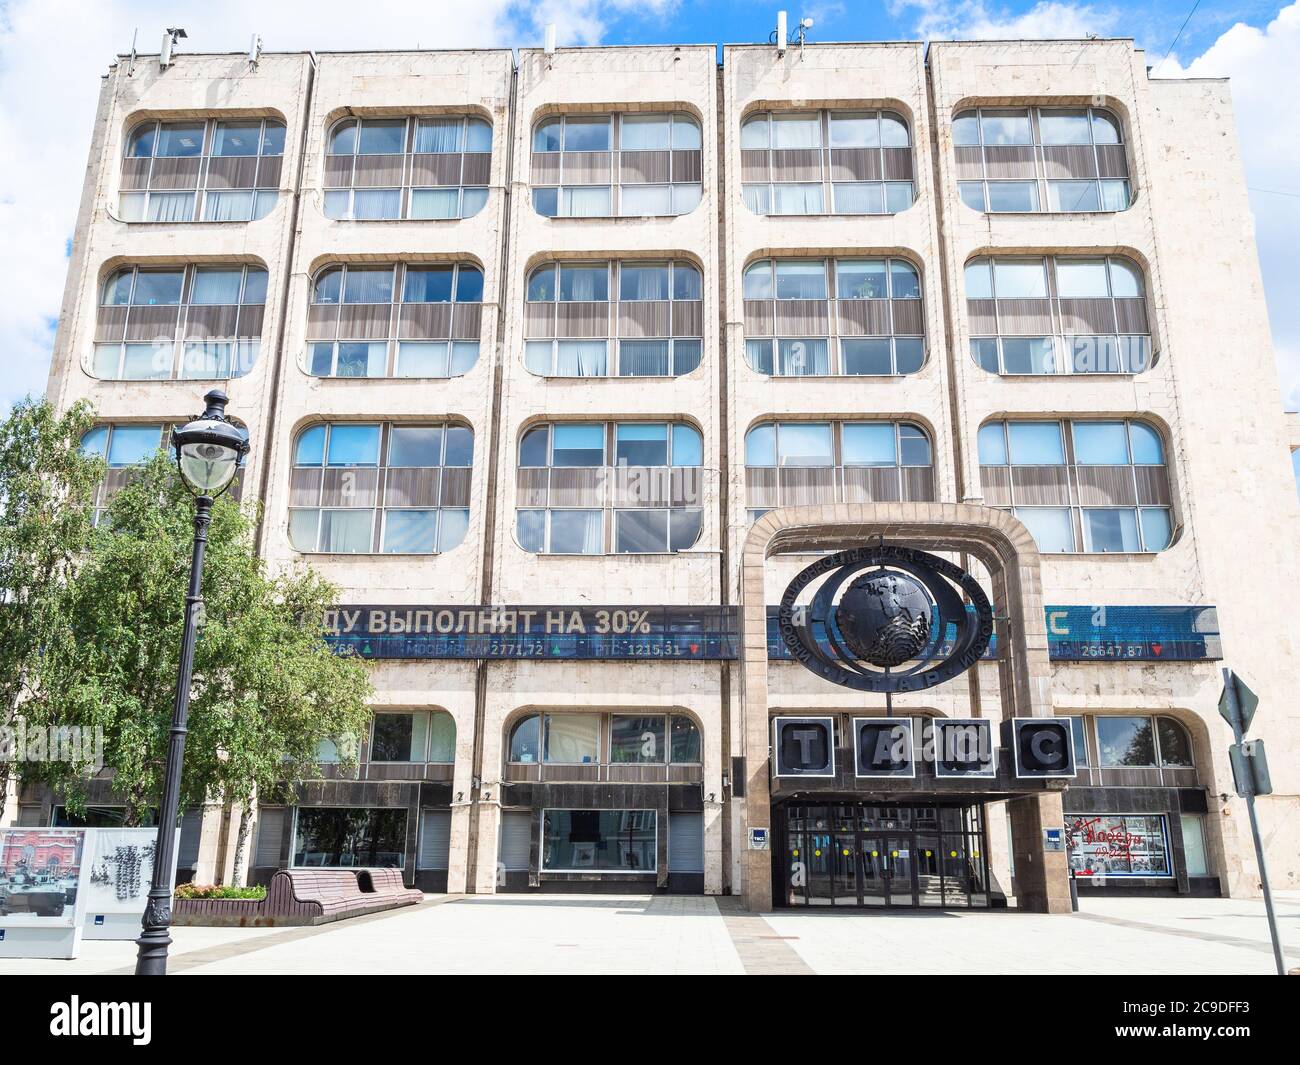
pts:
[1194, 853]
[607, 841]
[343, 837]
[1118, 845]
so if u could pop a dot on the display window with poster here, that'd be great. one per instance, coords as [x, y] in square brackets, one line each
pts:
[1118, 845]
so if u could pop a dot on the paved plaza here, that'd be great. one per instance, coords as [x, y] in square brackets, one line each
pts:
[690, 934]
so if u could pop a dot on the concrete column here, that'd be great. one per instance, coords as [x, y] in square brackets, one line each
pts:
[1042, 877]
[489, 830]
[209, 866]
[457, 875]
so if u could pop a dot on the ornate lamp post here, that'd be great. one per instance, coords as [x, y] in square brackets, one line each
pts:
[208, 451]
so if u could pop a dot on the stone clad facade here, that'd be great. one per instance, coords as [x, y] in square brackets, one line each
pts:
[650, 203]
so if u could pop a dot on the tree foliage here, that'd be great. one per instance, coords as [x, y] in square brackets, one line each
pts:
[47, 490]
[267, 688]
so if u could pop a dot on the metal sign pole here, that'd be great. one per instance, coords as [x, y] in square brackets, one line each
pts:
[1234, 718]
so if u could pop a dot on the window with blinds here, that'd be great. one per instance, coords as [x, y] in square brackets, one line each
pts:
[214, 170]
[125, 447]
[826, 162]
[179, 322]
[1040, 159]
[620, 319]
[1097, 486]
[798, 463]
[1058, 314]
[417, 167]
[380, 488]
[818, 317]
[606, 166]
[402, 320]
[592, 488]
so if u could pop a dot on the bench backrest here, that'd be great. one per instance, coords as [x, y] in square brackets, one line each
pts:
[333, 885]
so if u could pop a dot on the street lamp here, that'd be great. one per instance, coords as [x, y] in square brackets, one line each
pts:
[208, 452]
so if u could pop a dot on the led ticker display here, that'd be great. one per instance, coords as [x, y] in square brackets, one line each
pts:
[712, 634]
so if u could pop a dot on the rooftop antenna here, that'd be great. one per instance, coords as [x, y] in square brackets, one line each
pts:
[254, 51]
[782, 39]
[170, 36]
[548, 45]
[805, 24]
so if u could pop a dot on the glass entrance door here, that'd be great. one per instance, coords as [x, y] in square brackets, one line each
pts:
[852, 854]
[890, 861]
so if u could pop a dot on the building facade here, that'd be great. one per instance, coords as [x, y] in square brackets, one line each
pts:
[562, 366]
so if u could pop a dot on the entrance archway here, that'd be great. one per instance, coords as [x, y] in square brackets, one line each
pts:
[1007, 551]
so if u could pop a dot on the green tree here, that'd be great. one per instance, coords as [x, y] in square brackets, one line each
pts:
[47, 490]
[267, 687]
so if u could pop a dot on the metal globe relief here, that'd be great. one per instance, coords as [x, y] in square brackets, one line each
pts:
[885, 618]
[209, 448]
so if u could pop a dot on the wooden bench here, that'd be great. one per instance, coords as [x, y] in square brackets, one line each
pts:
[305, 897]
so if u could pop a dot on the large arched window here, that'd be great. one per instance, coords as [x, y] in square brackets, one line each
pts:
[797, 463]
[592, 488]
[591, 738]
[600, 166]
[433, 166]
[404, 320]
[624, 319]
[394, 488]
[826, 162]
[413, 736]
[1057, 314]
[219, 170]
[1097, 486]
[1052, 159]
[813, 317]
[187, 322]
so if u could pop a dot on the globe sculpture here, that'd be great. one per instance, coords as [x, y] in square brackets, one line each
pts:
[885, 619]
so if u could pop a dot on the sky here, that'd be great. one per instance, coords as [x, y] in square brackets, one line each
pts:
[52, 53]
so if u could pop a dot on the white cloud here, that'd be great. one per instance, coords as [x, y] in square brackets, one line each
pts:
[1262, 64]
[974, 20]
[52, 53]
